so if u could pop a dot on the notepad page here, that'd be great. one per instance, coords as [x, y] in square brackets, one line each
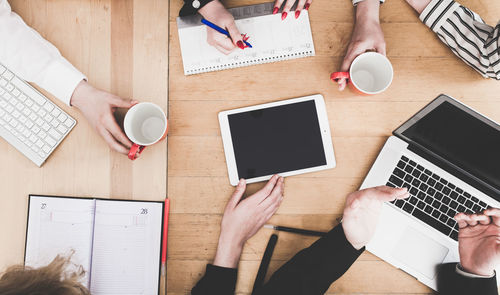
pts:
[272, 40]
[60, 226]
[127, 244]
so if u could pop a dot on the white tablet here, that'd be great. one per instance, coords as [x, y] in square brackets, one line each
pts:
[287, 137]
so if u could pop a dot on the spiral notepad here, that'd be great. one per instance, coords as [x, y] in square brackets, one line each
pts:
[272, 40]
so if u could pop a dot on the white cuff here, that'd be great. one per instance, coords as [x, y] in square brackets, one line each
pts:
[462, 272]
[61, 79]
[355, 2]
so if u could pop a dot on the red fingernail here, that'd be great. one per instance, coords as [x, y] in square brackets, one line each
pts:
[275, 10]
[240, 44]
[297, 14]
[284, 15]
[307, 6]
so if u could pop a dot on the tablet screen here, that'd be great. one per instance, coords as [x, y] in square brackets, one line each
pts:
[277, 139]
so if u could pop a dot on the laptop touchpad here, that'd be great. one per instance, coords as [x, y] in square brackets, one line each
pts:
[420, 252]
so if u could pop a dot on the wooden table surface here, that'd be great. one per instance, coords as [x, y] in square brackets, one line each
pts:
[131, 48]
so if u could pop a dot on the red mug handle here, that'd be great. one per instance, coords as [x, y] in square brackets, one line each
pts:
[135, 151]
[335, 77]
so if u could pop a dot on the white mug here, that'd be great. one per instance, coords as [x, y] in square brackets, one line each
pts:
[370, 73]
[145, 124]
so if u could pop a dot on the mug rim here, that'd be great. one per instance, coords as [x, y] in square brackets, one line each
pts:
[375, 54]
[127, 131]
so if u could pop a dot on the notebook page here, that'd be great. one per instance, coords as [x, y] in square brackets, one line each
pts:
[272, 40]
[58, 226]
[127, 244]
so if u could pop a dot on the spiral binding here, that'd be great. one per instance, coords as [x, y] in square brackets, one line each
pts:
[258, 61]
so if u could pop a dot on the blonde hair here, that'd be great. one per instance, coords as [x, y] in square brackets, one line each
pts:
[51, 279]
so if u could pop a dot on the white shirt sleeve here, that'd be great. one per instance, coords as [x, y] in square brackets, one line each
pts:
[33, 58]
[354, 2]
[462, 272]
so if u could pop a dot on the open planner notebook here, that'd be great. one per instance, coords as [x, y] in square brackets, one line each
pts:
[116, 242]
[272, 40]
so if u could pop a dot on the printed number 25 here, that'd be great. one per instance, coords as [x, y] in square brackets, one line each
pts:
[144, 211]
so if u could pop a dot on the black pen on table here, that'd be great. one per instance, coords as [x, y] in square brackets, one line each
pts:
[305, 232]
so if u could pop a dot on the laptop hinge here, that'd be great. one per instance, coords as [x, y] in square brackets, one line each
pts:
[455, 172]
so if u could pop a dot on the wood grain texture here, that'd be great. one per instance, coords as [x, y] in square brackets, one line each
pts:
[122, 47]
[198, 181]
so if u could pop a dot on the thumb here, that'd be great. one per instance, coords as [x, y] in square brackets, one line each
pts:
[380, 48]
[389, 194]
[119, 102]
[238, 193]
[235, 35]
[352, 53]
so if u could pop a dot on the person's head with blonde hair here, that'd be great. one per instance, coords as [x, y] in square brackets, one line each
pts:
[54, 279]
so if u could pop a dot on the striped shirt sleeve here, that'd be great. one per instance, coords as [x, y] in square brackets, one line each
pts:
[466, 34]
[355, 2]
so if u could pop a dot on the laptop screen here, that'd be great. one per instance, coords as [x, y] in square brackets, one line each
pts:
[460, 136]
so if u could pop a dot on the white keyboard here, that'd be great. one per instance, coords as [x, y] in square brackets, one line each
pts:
[28, 120]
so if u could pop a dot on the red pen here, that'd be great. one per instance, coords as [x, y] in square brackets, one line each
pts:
[164, 243]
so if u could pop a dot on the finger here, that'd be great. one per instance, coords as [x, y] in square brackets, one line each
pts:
[112, 143]
[275, 194]
[119, 102]
[286, 8]
[238, 194]
[494, 213]
[308, 4]
[483, 219]
[380, 48]
[342, 83]
[352, 53]
[235, 35]
[461, 220]
[117, 132]
[385, 193]
[277, 6]
[301, 4]
[263, 193]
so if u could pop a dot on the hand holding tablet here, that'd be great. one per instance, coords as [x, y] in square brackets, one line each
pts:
[287, 137]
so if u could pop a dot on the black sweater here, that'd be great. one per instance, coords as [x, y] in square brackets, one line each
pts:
[189, 9]
[314, 269]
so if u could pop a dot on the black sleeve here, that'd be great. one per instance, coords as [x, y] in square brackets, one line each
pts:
[217, 280]
[189, 8]
[314, 269]
[452, 283]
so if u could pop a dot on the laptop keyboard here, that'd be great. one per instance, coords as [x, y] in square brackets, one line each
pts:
[433, 199]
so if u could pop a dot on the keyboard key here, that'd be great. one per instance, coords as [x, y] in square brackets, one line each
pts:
[413, 191]
[46, 149]
[439, 186]
[431, 191]
[48, 118]
[16, 92]
[429, 200]
[428, 209]
[42, 134]
[33, 138]
[29, 102]
[476, 208]
[451, 213]
[45, 126]
[401, 164]
[431, 182]
[424, 177]
[446, 200]
[453, 204]
[62, 117]
[40, 143]
[413, 200]
[398, 182]
[3, 82]
[436, 204]
[461, 199]
[443, 181]
[8, 75]
[54, 123]
[399, 173]
[35, 129]
[459, 190]
[451, 185]
[432, 222]
[56, 112]
[22, 97]
[408, 169]
[421, 205]
[68, 123]
[461, 209]
[428, 172]
[443, 218]
[48, 106]
[389, 184]
[416, 173]
[446, 191]
[50, 141]
[35, 107]
[407, 185]
[408, 178]
[468, 204]
[443, 208]
[436, 214]
[454, 195]
[482, 204]
[404, 159]
[420, 167]
[63, 130]
[42, 112]
[9, 87]
[399, 203]
[451, 222]
[474, 199]
[416, 182]
[412, 163]
[454, 235]
[408, 208]
[423, 187]
[421, 196]
[55, 134]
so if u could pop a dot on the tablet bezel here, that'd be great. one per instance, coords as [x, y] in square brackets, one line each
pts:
[324, 126]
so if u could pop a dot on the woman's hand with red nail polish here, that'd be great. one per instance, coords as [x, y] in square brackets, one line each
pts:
[301, 5]
[216, 13]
